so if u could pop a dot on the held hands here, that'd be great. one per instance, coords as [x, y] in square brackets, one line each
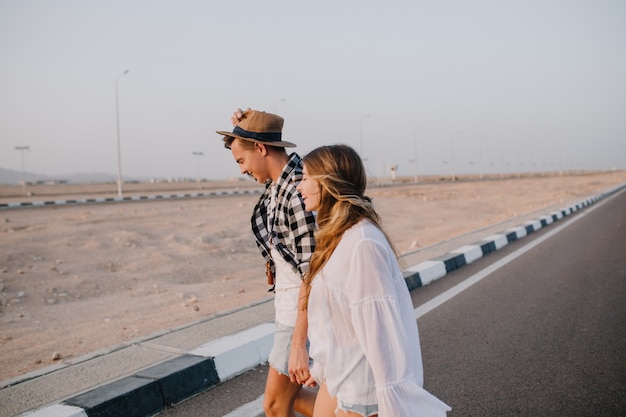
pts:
[299, 367]
[310, 382]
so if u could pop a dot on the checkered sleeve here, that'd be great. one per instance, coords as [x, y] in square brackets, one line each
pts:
[302, 226]
[259, 229]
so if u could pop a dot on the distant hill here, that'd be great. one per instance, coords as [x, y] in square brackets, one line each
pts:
[12, 177]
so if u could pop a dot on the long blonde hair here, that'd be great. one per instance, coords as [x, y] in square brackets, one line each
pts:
[341, 175]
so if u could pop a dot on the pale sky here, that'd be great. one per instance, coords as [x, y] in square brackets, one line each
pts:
[491, 85]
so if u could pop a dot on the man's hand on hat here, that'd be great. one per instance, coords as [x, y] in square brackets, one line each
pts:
[237, 116]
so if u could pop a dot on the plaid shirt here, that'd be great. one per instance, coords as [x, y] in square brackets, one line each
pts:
[292, 226]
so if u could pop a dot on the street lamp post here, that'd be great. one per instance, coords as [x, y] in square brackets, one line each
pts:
[481, 159]
[119, 150]
[453, 158]
[198, 155]
[22, 149]
[415, 154]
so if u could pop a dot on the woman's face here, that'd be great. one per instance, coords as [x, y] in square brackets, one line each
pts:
[310, 191]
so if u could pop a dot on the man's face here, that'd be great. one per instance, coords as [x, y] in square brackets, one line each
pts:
[252, 162]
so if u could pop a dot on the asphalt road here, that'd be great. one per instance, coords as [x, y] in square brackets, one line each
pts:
[543, 335]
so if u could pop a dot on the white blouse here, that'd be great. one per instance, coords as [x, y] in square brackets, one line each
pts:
[362, 330]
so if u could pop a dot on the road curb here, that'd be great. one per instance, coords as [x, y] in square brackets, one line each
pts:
[149, 391]
[101, 200]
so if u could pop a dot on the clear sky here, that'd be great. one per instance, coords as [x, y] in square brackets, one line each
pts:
[491, 85]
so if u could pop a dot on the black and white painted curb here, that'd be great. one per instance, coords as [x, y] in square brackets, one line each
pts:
[149, 391]
[101, 200]
[428, 271]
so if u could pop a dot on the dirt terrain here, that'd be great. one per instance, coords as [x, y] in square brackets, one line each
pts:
[80, 278]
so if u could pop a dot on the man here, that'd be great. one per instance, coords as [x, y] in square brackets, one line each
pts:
[283, 231]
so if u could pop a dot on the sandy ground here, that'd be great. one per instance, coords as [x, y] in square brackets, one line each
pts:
[77, 279]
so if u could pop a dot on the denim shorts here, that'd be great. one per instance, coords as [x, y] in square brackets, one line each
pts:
[279, 355]
[364, 410]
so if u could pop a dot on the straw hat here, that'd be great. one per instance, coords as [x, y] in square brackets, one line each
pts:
[259, 126]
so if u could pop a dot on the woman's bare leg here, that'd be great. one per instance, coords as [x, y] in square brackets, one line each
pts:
[325, 405]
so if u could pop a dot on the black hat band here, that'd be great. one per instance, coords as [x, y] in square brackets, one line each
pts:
[265, 136]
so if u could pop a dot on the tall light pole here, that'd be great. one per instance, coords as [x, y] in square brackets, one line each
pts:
[453, 158]
[198, 155]
[481, 159]
[119, 150]
[22, 149]
[361, 136]
[282, 100]
[415, 154]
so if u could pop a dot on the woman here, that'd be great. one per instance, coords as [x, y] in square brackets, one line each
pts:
[362, 329]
